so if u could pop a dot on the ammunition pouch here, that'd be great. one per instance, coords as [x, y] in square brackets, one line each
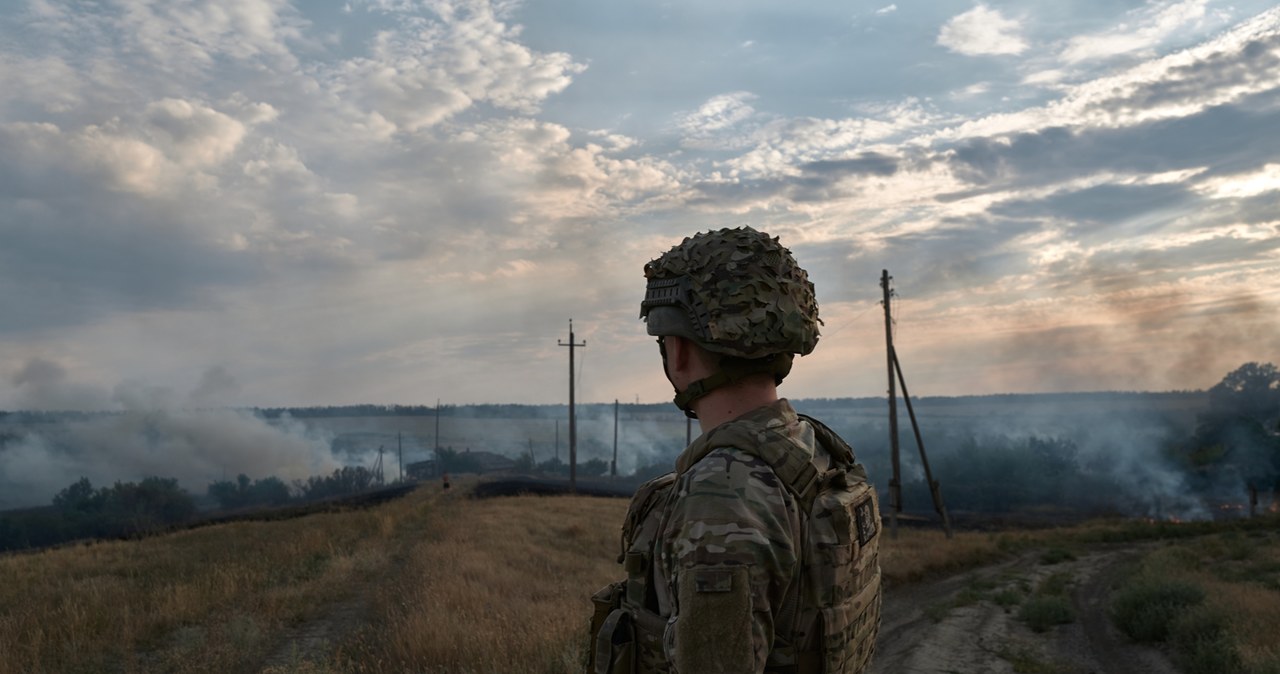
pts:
[605, 602]
[624, 639]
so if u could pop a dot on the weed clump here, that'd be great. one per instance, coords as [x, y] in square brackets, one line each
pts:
[1147, 609]
[1203, 641]
[1049, 606]
[1056, 555]
[1042, 612]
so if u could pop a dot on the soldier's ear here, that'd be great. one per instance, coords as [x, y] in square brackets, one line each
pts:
[687, 362]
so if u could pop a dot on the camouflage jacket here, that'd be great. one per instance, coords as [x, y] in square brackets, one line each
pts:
[730, 512]
[759, 554]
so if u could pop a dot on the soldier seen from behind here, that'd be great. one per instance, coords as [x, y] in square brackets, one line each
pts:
[759, 552]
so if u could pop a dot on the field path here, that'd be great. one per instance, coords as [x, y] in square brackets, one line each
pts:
[952, 626]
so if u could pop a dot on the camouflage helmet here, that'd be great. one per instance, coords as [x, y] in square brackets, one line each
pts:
[736, 292]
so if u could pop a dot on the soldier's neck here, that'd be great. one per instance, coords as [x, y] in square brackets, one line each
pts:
[729, 403]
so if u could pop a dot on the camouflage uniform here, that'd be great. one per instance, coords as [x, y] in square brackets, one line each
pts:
[726, 520]
[759, 553]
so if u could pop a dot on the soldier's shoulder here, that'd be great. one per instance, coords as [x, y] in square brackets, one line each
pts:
[731, 468]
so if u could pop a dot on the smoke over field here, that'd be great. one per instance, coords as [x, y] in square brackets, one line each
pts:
[195, 446]
[1135, 454]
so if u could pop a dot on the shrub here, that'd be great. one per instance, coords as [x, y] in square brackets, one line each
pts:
[1202, 639]
[1055, 555]
[1042, 612]
[1146, 609]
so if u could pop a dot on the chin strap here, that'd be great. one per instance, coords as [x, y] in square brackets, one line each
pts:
[730, 370]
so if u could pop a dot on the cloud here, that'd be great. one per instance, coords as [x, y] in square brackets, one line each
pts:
[1225, 69]
[982, 31]
[434, 66]
[1147, 27]
[715, 118]
[887, 9]
[1249, 184]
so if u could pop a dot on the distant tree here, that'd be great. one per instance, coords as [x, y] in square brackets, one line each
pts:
[553, 466]
[594, 468]
[524, 464]
[78, 496]
[1251, 390]
[1238, 437]
[345, 480]
[245, 493]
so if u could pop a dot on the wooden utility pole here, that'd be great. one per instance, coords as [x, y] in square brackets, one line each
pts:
[573, 427]
[935, 489]
[895, 486]
[437, 428]
[400, 451]
[613, 467]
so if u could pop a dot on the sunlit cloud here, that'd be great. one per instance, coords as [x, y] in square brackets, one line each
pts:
[982, 31]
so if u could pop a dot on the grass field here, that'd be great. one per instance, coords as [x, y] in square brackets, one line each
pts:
[434, 582]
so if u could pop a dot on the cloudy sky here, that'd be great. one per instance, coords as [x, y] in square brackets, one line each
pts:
[259, 202]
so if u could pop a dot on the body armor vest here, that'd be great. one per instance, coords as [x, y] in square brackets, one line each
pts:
[831, 615]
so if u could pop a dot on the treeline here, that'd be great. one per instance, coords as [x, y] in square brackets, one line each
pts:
[477, 411]
[79, 511]
[1227, 453]
[129, 509]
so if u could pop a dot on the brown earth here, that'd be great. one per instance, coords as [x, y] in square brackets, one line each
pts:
[954, 626]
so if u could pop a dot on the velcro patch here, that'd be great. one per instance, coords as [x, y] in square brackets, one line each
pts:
[864, 514]
[713, 580]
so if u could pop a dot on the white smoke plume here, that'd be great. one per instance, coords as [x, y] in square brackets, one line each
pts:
[146, 436]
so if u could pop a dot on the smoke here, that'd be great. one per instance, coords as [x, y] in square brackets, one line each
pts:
[1082, 453]
[42, 385]
[146, 436]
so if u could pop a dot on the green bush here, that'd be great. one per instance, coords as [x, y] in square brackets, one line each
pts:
[1056, 555]
[1055, 584]
[1147, 609]
[1044, 611]
[1007, 598]
[1201, 637]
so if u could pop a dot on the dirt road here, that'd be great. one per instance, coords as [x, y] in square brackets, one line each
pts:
[958, 626]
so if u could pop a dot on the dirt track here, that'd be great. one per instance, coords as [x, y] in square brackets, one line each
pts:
[920, 635]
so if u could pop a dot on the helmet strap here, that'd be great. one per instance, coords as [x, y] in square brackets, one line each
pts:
[729, 371]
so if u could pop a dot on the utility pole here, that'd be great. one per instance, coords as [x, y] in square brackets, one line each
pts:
[613, 467]
[895, 487]
[437, 428]
[557, 439]
[381, 479]
[400, 451]
[573, 428]
[935, 489]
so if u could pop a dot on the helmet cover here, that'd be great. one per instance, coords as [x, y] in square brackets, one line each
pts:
[738, 291]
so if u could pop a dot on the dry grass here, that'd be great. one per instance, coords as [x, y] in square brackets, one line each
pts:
[919, 553]
[450, 584]
[500, 585]
[213, 598]
[1240, 579]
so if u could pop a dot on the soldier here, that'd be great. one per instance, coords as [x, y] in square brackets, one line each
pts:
[759, 552]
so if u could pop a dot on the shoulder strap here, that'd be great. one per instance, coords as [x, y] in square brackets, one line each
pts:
[835, 445]
[795, 469]
[641, 503]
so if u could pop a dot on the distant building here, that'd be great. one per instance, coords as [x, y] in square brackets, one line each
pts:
[466, 461]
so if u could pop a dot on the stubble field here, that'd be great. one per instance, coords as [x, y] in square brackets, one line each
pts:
[434, 582]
